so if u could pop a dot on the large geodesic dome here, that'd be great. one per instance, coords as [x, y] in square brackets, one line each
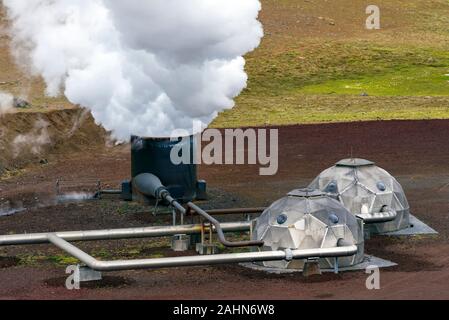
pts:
[309, 219]
[367, 191]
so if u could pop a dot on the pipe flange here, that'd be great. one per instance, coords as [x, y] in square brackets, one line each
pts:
[288, 255]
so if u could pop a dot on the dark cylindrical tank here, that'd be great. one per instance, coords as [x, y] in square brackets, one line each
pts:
[153, 155]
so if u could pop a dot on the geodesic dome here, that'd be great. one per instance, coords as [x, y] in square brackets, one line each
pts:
[367, 191]
[308, 219]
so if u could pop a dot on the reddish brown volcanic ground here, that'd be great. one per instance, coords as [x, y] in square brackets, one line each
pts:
[417, 153]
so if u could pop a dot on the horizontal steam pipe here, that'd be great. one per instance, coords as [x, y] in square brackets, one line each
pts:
[110, 192]
[198, 260]
[106, 192]
[386, 215]
[236, 211]
[114, 234]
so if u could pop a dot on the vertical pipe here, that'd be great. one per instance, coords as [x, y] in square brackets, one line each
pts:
[336, 266]
[174, 217]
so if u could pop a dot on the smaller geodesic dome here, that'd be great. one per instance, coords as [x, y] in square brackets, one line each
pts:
[367, 191]
[308, 219]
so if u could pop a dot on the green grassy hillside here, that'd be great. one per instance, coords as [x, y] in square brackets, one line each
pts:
[318, 63]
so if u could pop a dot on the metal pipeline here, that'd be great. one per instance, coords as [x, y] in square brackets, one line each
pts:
[115, 234]
[236, 211]
[386, 215]
[106, 192]
[110, 192]
[220, 232]
[61, 241]
[198, 260]
[150, 185]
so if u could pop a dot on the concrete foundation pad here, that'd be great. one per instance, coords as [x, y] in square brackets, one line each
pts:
[86, 274]
[369, 261]
[418, 228]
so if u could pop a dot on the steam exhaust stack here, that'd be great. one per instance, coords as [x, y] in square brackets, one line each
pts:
[153, 156]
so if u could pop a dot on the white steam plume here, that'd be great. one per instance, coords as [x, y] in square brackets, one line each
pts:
[6, 102]
[32, 141]
[141, 67]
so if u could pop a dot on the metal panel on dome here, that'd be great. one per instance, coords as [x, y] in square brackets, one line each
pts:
[308, 219]
[365, 189]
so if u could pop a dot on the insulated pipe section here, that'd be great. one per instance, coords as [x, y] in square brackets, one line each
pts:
[114, 234]
[236, 211]
[386, 215]
[149, 185]
[220, 232]
[198, 260]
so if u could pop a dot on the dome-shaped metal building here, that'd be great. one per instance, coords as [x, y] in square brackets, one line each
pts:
[368, 192]
[309, 219]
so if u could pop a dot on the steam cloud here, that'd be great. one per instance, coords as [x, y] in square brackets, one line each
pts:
[6, 102]
[32, 141]
[141, 67]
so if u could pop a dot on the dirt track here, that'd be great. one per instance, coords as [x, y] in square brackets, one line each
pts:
[415, 152]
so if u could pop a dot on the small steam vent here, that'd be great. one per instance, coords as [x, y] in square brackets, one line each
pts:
[309, 219]
[367, 191]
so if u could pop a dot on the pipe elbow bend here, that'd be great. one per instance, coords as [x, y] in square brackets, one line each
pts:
[98, 265]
